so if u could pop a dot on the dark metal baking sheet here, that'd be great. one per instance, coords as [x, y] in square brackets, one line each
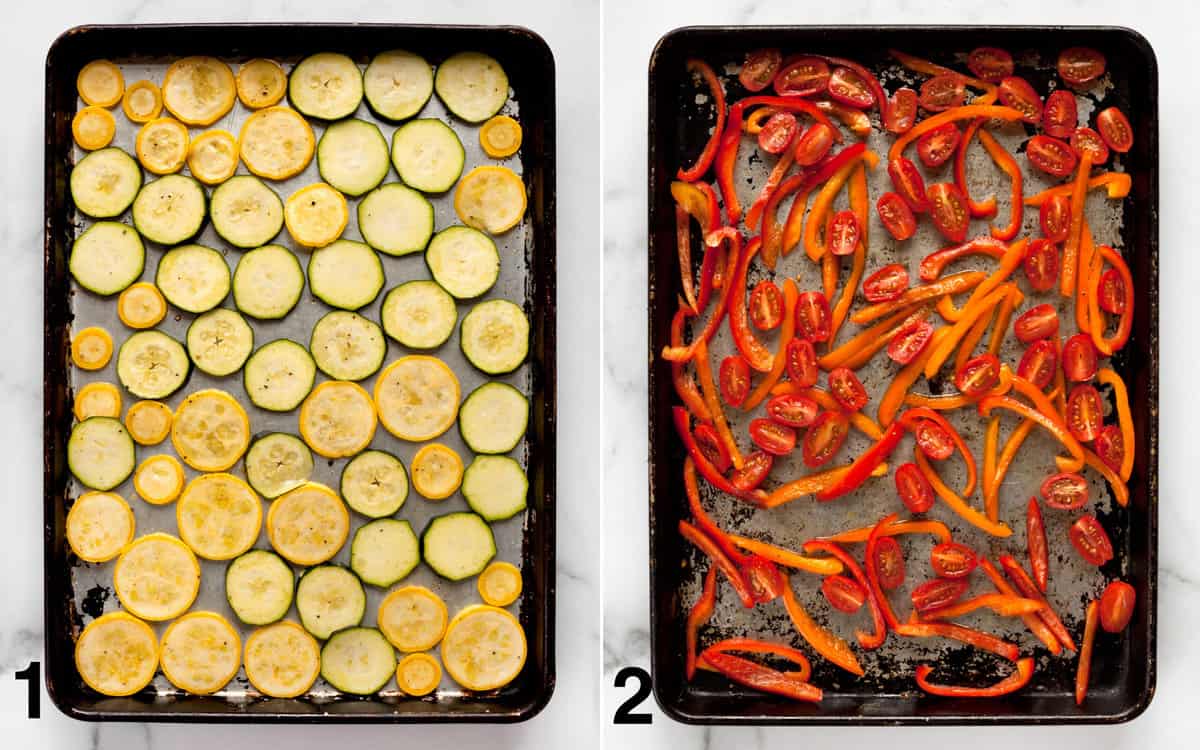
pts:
[1124, 668]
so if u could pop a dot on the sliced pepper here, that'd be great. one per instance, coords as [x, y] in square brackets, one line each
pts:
[1002, 604]
[866, 640]
[1007, 164]
[862, 467]
[705, 160]
[1032, 621]
[1003, 317]
[698, 615]
[1088, 259]
[707, 470]
[956, 503]
[1070, 254]
[685, 353]
[1124, 418]
[893, 397]
[813, 246]
[824, 642]
[855, 119]
[685, 385]
[1014, 682]
[954, 401]
[820, 565]
[1117, 185]
[772, 232]
[756, 646]
[991, 490]
[876, 589]
[702, 520]
[911, 420]
[978, 209]
[860, 205]
[1052, 424]
[871, 339]
[1108, 345]
[1083, 673]
[952, 284]
[757, 355]
[976, 307]
[732, 572]
[1028, 589]
[991, 439]
[933, 264]
[966, 112]
[977, 638]
[713, 401]
[751, 674]
[861, 534]
[683, 241]
[806, 485]
[790, 295]
[877, 93]
[755, 213]
[975, 333]
[858, 420]
[929, 68]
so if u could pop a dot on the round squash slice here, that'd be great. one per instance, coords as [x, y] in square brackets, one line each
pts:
[276, 143]
[500, 584]
[417, 397]
[282, 660]
[337, 419]
[308, 525]
[484, 647]
[418, 674]
[159, 479]
[116, 654]
[141, 306]
[261, 83]
[100, 83]
[211, 431]
[490, 198]
[97, 400]
[149, 422]
[200, 652]
[99, 525]
[316, 215]
[219, 516]
[213, 157]
[437, 471]
[412, 618]
[142, 102]
[157, 577]
[162, 145]
[198, 90]
[93, 128]
[500, 137]
[91, 348]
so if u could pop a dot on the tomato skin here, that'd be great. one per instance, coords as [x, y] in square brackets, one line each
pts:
[1079, 65]
[1035, 540]
[1038, 322]
[909, 183]
[953, 560]
[937, 146]
[844, 233]
[1039, 363]
[847, 389]
[948, 209]
[760, 68]
[802, 76]
[938, 593]
[772, 437]
[934, 441]
[1091, 540]
[802, 368]
[812, 317]
[766, 306]
[990, 64]
[777, 132]
[1054, 216]
[1041, 264]
[1065, 491]
[1115, 129]
[824, 438]
[889, 562]
[910, 341]
[913, 488]
[942, 92]
[903, 106]
[1116, 606]
[1050, 155]
[1016, 92]
[1085, 140]
[754, 471]
[1085, 412]
[734, 377]
[886, 284]
[1111, 297]
[896, 216]
[712, 447]
[978, 375]
[843, 594]
[849, 88]
[814, 144]
[1060, 115]
[793, 410]
[1110, 446]
[1079, 358]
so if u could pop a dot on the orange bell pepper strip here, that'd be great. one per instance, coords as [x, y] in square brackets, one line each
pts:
[793, 226]
[756, 119]
[991, 490]
[1002, 604]
[700, 517]
[1007, 164]
[1070, 256]
[755, 675]
[920, 65]
[1119, 488]
[1124, 418]
[705, 160]
[698, 615]
[991, 438]
[912, 418]
[936, 528]
[685, 384]
[985, 208]
[853, 118]
[947, 309]
[823, 641]
[967, 112]
[1108, 345]
[975, 333]
[1052, 424]
[957, 503]
[1088, 257]
[1117, 185]
[755, 352]
[831, 268]
[713, 401]
[755, 646]
[1003, 318]
[1028, 589]
[1083, 672]
[953, 401]
[858, 420]
[732, 572]
[871, 339]
[893, 397]
[810, 485]
[975, 308]
[866, 640]
[825, 566]
[860, 205]
[1011, 684]
[933, 264]
[778, 172]
[685, 353]
[772, 232]
[787, 330]
[952, 284]
[1032, 621]
[824, 201]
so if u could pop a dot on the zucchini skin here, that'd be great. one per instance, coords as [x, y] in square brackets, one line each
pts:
[433, 522]
[291, 596]
[393, 581]
[342, 484]
[348, 632]
[464, 430]
[377, 113]
[184, 381]
[292, 100]
[250, 394]
[284, 313]
[462, 345]
[345, 568]
[204, 220]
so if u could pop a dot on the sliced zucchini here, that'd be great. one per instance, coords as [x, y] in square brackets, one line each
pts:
[278, 462]
[308, 525]
[93, 128]
[141, 306]
[458, 545]
[170, 210]
[279, 375]
[419, 314]
[117, 654]
[245, 212]
[100, 83]
[427, 155]
[198, 90]
[384, 551]
[219, 342]
[91, 348]
[337, 419]
[200, 653]
[259, 586]
[418, 674]
[276, 143]
[142, 102]
[493, 418]
[437, 471]
[316, 215]
[413, 618]
[345, 274]
[156, 577]
[105, 182]
[395, 219]
[267, 282]
[218, 516]
[159, 479]
[97, 399]
[490, 198]
[151, 364]
[328, 599]
[99, 525]
[162, 145]
[495, 487]
[326, 85]
[149, 422]
[213, 157]
[352, 155]
[464, 261]
[417, 398]
[500, 584]
[397, 84]
[347, 346]
[374, 484]
[107, 258]
[484, 648]
[211, 430]
[194, 278]
[282, 660]
[261, 83]
[495, 336]
[472, 85]
[358, 661]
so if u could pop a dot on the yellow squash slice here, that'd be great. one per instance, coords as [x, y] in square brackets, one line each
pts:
[211, 431]
[484, 647]
[159, 479]
[418, 674]
[282, 660]
[97, 400]
[213, 157]
[276, 143]
[337, 419]
[491, 199]
[308, 525]
[417, 397]
[141, 306]
[99, 525]
[200, 652]
[412, 618]
[261, 83]
[116, 654]
[500, 137]
[142, 101]
[162, 145]
[157, 577]
[198, 90]
[437, 471]
[219, 516]
[91, 348]
[149, 422]
[100, 83]
[316, 215]
[93, 128]
[500, 584]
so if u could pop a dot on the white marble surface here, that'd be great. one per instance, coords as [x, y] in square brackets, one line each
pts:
[571, 29]
[632, 30]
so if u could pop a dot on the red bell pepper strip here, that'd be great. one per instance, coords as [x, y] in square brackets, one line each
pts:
[685, 353]
[1033, 621]
[685, 385]
[1014, 682]
[751, 674]
[683, 241]
[885, 606]
[1035, 541]
[810, 484]
[825, 643]
[714, 257]
[701, 518]
[977, 638]
[756, 646]
[1028, 589]
[936, 528]
[705, 160]
[1084, 672]
[911, 419]
[1007, 164]
[866, 640]
[955, 283]
[732, 572]
[933, 264]
[707, 470]
[978, 209]
[755, 213]
[709, 389]
[1002, 604]
[700, 201]
[698, 615]
[757, 355]
[864, 464]
[1106, 345]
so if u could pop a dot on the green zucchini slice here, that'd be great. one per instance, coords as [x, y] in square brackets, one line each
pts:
[105, 182]
[374, 484]
[259, 587]
[464, 261]
[327, 86]
[472, 85]
[495, 487]
[395, 219]
[328, 599]
[347, 346]
[170, 210]
[278, 462]
[495, 336]
[352, 156]
[345, 274]
[268, 282]
[100, 453]
[279, 375]
[397, 84]
[107, 258]
[359, 661]
[151, 364]
[219, 341]
[384, 551]
[493, 418]
[427, 155]
[458, 545]
[419, 314]
[245, 212]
